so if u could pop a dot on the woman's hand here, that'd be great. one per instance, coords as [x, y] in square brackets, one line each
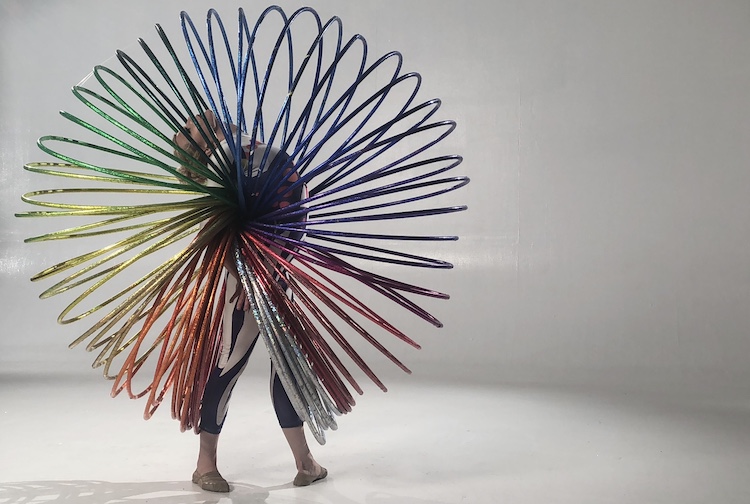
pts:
[239, 295]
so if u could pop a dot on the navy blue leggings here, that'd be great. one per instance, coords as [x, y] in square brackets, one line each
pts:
[223, 378]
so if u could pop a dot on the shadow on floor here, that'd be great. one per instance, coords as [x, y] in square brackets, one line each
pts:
[101, 492]
[167, 492]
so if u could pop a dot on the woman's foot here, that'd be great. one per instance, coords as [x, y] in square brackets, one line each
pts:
[308, 470]
[206, 474]
[211, 481]
[305, 478]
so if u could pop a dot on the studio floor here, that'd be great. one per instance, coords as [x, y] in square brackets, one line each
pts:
[65, 440]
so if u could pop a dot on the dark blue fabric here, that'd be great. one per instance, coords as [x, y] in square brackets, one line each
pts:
[285, 413]
[221, 381]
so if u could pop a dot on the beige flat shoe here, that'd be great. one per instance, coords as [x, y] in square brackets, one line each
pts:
[211, 481]
[303, 479]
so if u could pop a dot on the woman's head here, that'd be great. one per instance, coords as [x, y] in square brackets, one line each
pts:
[202, 131]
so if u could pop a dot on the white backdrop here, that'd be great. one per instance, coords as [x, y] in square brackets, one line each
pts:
[607, 142]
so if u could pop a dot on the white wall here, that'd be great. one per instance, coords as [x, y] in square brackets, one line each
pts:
[607, 142]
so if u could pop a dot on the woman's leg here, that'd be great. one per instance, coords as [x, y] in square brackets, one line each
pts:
[308, 469]
[240, 333]
[207, 453]
[219, 388]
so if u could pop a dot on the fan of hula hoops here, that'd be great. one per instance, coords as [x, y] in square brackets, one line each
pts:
[354, 134]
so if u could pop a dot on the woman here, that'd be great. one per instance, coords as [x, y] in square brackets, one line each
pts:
[239, 328]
